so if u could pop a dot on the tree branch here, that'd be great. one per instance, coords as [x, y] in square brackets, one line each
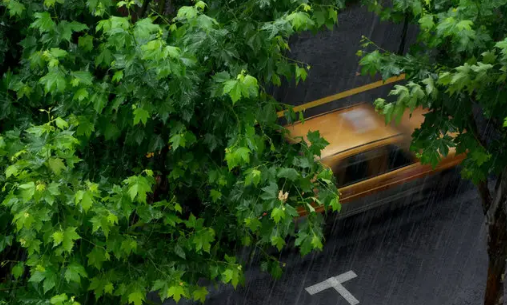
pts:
[401, 47]
[483, 185]
[500, 196]
[144, 8]
[485, 196]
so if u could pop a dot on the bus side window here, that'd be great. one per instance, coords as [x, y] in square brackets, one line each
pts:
[352, 169]
[398, 158]
[371, 163]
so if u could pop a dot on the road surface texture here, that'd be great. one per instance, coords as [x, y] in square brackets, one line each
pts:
[430, 252]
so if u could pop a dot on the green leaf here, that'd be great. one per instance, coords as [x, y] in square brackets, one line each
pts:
[277, 214]
[333, 15]
[270, 191]
[187, 12]
[249, 86]
[137, 297]
[316, 243]
[254, 176]
[49, 282]
[75, 272]
[317, 142]
[109, 288]
[56, 165]
[99, 102]
[37, 277]
[370, 63]
[85, 127]
[104, 59]
[118, 76]
[177, 208]
[278, 242]
[11, 170]
[86, 42]
[81, 94]
[489, 57]
[57, 53]
[50, 3]
[464, 25]
[426, 22]
[178, 140]
[231, 275]
[43, 22]
[15, 8]
[215, 195]
[200, 5]
[233, 89]
[141, 115]
[203, 239]
[18, 270]
[138, 188]
[54, 81]
[28, 190]
[200, 294]
[82, 77]
[85, 199]
[144, 28]
[388, 112]
[69, 236]
[97, 257]
[335, 204]
[77, 26]
[57, 238]
[288, 173]
[300, 21]
[300, 74]
[243, 153]
[112, 219]
[61, 123]
[179, 251]
[176, 292]
[59, 299]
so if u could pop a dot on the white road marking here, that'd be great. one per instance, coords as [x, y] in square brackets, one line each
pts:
[336, 283]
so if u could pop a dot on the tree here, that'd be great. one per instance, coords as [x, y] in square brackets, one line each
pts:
[456, 70]
[139, 149]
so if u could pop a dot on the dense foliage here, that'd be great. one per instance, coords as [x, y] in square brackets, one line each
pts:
[458, 62]
[140, 150]
[457, 69]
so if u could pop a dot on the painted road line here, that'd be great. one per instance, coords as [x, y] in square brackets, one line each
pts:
[336, 283]
[344, 94]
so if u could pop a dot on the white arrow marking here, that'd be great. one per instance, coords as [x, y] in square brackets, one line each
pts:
[336, 283]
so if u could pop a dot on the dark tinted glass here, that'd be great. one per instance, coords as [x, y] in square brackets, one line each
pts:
[398, 158]
[362, 166]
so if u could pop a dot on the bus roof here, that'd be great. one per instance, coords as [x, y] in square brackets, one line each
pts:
[355, 126]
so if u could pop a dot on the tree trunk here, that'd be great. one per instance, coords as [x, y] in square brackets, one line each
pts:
[497, 254]
[497, 243]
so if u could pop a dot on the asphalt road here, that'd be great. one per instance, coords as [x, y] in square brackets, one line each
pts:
[432, 253]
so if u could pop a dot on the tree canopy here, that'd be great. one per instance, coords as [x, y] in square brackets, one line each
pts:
[140, 149]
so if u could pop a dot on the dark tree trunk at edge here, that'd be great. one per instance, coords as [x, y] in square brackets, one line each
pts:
[497, 254]
[497, 240]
